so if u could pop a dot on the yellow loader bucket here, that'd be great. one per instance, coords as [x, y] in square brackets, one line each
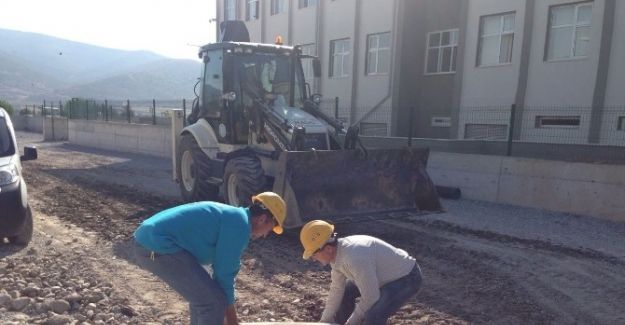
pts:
[332, 183]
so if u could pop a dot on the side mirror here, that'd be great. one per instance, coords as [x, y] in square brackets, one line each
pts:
[206, 58]
[229, 96]
[30, 153]
[316, 67]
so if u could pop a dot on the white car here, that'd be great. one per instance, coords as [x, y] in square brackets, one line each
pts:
[16, 220]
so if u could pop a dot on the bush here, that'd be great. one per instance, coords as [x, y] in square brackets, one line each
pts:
[8, 107]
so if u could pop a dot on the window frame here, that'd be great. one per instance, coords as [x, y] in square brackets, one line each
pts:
[301, 4]
[620, 123]
[345, 53]
[248, 10]
[377, 51]
[275, 7]
[501, 33]
[575, 26]
[440, 47]
[541, 120]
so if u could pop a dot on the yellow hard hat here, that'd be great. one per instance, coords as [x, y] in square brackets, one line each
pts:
[314, 235]
[275, 204]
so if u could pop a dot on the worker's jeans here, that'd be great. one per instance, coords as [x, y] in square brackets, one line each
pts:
[393, 295]
[207, 301]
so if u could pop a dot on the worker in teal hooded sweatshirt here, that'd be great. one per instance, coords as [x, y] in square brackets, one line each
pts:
[176, 243]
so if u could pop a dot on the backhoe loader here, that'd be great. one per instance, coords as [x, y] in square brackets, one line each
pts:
[255, 126]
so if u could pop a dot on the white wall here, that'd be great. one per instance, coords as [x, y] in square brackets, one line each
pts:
[615, 96]
[493, 85]
[337, 22]
[372, 89]
[488, 91]
[566, 83]
[152, 140]
[276, 25]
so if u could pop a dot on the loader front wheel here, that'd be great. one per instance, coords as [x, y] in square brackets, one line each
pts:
[243, 178]
[193, 171]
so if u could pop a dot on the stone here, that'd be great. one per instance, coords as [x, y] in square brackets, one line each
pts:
[59, 306]
[20, 303]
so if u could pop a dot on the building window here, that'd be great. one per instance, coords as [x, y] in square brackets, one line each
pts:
[307, 3]
[307, 66]
[374, 129]
[569, 31]
[378, 53]
[557, 121]
[621, 123]
[339, 58]
[278, 6]
[441, 51]
[441, 121]
[496, 39]
[230, 10]
[486, 131]
[251, 9]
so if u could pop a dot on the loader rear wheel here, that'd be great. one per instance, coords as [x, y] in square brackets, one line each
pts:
[243, 178]
[193, 171]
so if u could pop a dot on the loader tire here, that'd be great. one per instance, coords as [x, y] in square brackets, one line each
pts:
[243, 178]
[193, 169]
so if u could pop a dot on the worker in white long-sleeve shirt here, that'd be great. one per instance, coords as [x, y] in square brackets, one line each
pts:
[385, 277]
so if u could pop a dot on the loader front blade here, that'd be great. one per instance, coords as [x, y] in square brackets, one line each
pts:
[326, 184]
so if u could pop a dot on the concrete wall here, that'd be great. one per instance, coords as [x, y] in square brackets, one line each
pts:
[55, 129]
[578, 188]
[28, 123]
[154, 140]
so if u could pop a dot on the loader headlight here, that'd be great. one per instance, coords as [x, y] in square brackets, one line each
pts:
[9, 174]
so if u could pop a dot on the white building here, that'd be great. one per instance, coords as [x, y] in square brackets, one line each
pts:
[460, 64]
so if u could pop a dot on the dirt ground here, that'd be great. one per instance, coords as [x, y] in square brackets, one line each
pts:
[87, 204]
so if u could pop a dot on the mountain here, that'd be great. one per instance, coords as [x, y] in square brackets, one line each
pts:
[34, 67]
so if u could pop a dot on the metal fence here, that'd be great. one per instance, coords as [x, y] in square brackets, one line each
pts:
[153, 111]
[553, 132]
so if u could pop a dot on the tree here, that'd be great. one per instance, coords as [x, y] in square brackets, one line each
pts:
[8, 107]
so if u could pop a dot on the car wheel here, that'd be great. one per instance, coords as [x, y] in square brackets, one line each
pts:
[26, 233]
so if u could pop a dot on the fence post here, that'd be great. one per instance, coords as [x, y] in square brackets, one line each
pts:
[87, 110]
[106, 110]
[511, 129]
[52, 120]
[154, 111]
[43, 109]
[60, 108]
[336, 108]
[128, 109]
[410, 122]
[184, 112]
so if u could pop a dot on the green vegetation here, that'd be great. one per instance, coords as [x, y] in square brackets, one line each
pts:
[7, 106]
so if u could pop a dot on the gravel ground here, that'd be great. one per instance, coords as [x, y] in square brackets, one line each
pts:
[535, 224]
[483, 263]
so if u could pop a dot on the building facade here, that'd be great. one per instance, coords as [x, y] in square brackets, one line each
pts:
[454, 68]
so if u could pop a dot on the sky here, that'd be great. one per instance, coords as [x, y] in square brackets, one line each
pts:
[172, 28]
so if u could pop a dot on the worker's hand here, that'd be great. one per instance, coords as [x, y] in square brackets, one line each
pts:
[231, 316]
